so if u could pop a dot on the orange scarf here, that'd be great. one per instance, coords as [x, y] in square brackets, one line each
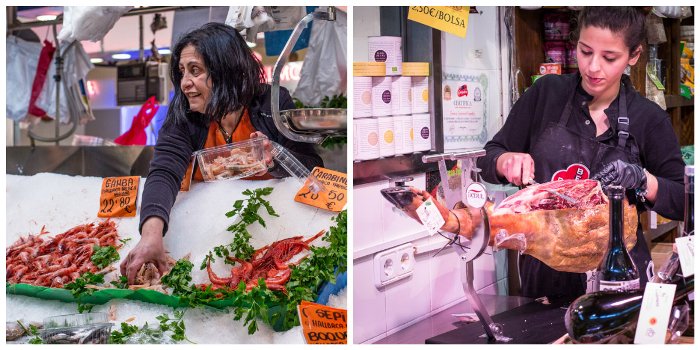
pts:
[216, 138]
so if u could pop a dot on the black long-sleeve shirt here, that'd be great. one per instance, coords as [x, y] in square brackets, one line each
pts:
[649, 125]
[175, 145]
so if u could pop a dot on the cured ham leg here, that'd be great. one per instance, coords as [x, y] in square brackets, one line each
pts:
[565, 236]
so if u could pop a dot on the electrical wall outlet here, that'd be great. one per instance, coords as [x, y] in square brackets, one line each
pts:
[393, 264]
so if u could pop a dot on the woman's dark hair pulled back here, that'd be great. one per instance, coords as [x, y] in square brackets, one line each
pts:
[627, 21]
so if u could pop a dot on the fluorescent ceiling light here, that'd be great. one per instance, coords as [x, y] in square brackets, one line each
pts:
[121, 56]
[46, 17]
[164, 51]
[96, 60]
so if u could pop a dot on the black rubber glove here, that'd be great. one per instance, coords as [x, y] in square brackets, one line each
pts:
[619, 173]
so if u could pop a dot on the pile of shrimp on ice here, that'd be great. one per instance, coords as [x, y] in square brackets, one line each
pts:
[59, 260]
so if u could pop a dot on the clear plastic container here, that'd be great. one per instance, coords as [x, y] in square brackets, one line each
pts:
[88, 328]
[232, 161]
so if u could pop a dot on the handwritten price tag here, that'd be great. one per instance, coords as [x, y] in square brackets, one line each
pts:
[335, 195]
[118, 197]
[323, 324]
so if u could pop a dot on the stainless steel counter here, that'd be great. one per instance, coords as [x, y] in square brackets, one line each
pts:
[443, 321]
[101, 161]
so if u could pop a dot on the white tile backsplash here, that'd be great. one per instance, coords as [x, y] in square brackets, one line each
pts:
[369, 304]
[409, 299]
[445, 280]
[367, 216]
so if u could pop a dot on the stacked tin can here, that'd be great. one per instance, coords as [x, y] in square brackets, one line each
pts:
[386, 102]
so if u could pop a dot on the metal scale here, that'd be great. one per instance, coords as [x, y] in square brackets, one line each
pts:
[310, 125]
[468, 250]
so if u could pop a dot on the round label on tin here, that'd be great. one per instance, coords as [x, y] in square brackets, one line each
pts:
[380, 56]
[386, 96]
[476, 195]
[425, 132]
[373, 138]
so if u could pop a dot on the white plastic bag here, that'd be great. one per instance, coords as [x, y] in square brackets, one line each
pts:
[89, 22]
[75, 68]
[324, 72]
[22, 61]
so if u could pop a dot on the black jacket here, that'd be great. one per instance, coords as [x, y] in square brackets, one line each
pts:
[650, 126]
[175, 145]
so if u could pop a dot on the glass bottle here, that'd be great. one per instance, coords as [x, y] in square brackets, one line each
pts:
[617, 271]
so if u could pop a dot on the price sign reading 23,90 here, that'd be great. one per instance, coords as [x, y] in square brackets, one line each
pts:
[335, 195]
[118, 196]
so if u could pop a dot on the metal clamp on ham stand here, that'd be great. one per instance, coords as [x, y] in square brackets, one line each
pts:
[468, 250]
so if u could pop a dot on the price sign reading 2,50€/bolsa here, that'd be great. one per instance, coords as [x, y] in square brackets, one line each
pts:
[118, 197]
[335, 195]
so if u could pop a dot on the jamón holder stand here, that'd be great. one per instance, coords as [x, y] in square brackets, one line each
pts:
[468, 250]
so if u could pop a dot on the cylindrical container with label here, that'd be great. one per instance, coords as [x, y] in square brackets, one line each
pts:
[362, 97]
[420, 95]
[386, 49]
[381, 96]
[403, 124]
[399, 136]
[385, 126]
[366, 139]
[401, 93]
[422, 135]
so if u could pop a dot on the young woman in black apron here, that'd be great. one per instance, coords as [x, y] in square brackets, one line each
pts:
[591, 124]
[592, 136]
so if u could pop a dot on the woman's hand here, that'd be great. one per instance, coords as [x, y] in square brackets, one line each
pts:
[517, 168]
[149, 249]
[267, 151]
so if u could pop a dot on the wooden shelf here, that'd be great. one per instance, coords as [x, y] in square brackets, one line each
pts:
[673, 101]
[660, 230]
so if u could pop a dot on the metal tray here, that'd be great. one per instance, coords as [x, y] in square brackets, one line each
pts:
[316, 119]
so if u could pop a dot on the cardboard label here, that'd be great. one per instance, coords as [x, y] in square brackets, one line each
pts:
[655, 312]
[686, 254]
[415, 69]
[323, 324]
[430, 216]
[118, 197]
[368, 69]
[449, 19]
[335, 195]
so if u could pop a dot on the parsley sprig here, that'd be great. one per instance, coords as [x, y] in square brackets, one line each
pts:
[247, 208]
[172, 326]
[104, 256]
[79, 289]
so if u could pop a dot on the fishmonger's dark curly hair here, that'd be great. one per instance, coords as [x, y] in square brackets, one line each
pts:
[236, 75]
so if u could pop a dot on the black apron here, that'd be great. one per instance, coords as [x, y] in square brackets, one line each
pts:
[563, 153]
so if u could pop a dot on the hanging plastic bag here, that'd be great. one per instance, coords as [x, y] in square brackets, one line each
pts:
[136, 134]
[72, 100]
[22, 60]
[325, 66]
[40, 78]
[89, 22]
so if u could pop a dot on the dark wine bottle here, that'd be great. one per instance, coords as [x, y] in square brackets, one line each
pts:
[689, 217]
[617, 271]
[598, 316]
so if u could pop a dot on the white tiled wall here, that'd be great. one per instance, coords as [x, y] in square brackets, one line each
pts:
[435, 283]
